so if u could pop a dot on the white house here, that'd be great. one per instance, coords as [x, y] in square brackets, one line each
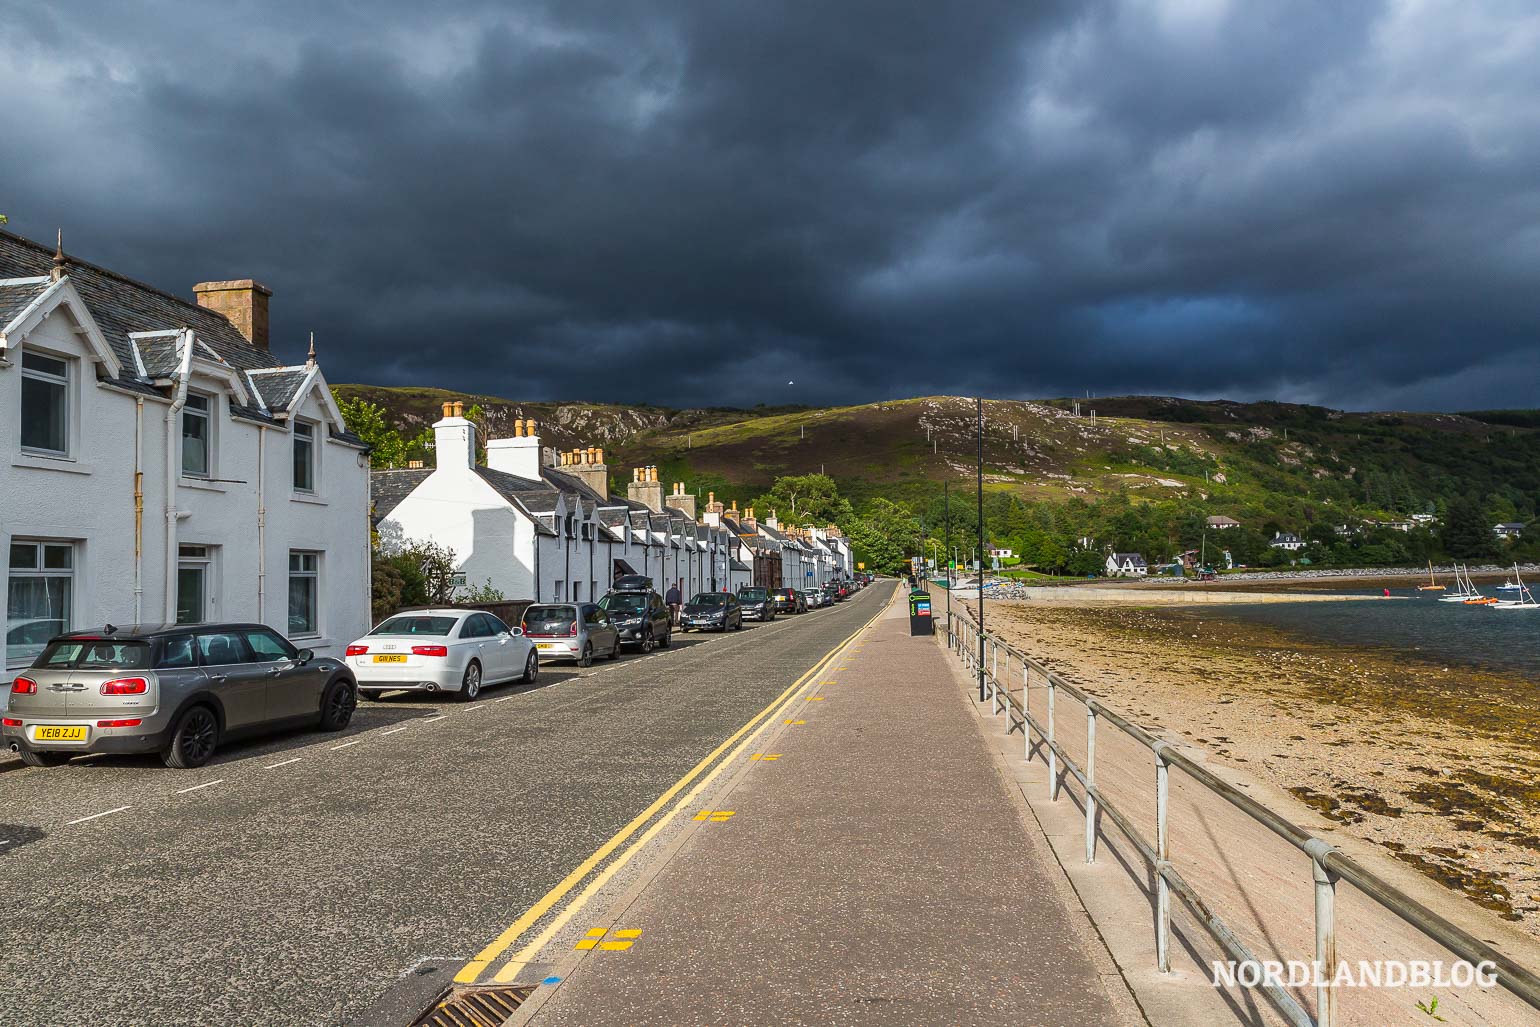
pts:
[1126, 565]
[161, 464]
[1220, 522]
[1508, 529]
[1287, 540]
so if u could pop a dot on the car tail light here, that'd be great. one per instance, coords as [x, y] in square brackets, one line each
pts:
[8, 722]
[572, 631]
[357, 650]
[119, 723]
[24, 686]
[430, 650]
[125, 686]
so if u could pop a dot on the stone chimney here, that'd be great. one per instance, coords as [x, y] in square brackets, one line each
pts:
[772, 521]
[645, 488]
[518, 456]
[454, 441]
[750, 525]
[243, 302]
[682, 501]
[588, 465]
[713, 515]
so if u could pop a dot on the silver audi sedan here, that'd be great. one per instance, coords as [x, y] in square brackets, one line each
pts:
[442, 650]
[179, 690]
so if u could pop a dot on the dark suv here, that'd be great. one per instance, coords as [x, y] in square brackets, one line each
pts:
[640, 616]
[178, 690]
[788, 600]
[757, 603]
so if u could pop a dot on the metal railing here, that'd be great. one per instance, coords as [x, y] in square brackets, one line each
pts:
[1329, 865]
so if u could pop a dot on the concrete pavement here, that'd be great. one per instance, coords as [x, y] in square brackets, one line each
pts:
[341, 879]
[860, 860]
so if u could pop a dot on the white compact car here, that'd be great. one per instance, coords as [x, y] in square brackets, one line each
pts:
[441, 651]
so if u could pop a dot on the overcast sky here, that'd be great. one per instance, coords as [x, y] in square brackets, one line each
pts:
[695, 203]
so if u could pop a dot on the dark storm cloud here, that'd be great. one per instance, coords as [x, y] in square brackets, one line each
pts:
[695, 202]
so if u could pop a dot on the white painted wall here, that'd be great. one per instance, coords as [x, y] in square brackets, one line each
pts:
[89, 500]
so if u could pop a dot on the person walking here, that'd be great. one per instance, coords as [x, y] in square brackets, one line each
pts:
[673, 599]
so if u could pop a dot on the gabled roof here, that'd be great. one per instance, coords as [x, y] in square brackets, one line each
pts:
[390, 488]
[1137, 559]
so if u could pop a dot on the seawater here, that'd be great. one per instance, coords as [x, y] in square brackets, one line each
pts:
[1470, 635]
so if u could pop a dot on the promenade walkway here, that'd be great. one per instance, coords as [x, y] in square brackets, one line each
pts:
[869, 866]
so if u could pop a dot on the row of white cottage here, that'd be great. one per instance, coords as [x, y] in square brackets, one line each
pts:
[160, 464]
[535, 523]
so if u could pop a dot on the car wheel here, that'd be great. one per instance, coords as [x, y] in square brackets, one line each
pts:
[615, 652]
[371, 694]
[738, 626]
[647, 641]
[668, 639]
[42, 759]
[531, 669]
[192, 739]
[587, 659]
[337, 705]
[470, 684]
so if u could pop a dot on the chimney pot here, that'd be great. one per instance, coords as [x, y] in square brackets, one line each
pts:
[529, 426]
[449, 409]
[243, 302]
[599, 456]
[459, 409]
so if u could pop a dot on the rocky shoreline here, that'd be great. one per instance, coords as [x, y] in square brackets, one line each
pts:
[1437, 763]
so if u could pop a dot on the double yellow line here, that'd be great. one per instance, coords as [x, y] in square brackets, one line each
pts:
[472, 971]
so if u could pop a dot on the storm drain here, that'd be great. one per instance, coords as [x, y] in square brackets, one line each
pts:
[473, 1007]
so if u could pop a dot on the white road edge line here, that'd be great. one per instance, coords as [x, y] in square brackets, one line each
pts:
[393, 730]
[285, 763]
[93, 816]
[344, 745]
[206, 784]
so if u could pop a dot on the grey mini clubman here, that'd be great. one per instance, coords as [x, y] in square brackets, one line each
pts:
[177, 690]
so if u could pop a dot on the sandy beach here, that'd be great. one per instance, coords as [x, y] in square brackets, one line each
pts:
[1440, 765]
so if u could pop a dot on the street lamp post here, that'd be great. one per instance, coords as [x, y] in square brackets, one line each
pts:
[981, 547]
[951, 579]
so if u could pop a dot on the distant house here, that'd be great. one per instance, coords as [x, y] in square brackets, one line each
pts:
[1406, 525]
[1221, 522]
[1508, 529]
[1002, 554]
[1287, 540]
[1424, 519]
[1126, 565]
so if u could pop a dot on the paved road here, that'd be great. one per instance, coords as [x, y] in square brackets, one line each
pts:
[295, 880]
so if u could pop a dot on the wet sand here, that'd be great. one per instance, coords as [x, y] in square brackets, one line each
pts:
[1437, 763]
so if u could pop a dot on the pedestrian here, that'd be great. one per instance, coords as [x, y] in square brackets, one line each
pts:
[674, 599]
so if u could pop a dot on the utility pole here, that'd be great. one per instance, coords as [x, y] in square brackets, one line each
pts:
[951, 578]
[981, 547]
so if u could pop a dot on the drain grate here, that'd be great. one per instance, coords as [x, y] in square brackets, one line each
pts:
[473, 1007]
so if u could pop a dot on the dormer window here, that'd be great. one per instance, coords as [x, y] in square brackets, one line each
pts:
[304, 457]
[197, 437]
[45, 404]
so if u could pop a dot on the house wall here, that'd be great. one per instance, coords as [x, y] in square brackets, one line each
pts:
[89, 500]
[458, 510]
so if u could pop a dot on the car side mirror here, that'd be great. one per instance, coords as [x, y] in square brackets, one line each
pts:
[515, 632]
[305, 656]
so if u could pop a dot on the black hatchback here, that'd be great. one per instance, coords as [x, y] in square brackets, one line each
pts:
[641, 618]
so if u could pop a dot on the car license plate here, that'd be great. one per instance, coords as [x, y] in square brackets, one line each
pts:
[389, 658]
[58, 733]
[544, 645]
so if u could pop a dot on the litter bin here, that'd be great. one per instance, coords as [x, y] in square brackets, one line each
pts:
[920, 621]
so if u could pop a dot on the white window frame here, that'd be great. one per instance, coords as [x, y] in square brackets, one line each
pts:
[211, 440]
[204, 559]
[66, 382]
[312, 574]
[297, 432]
[40, 570]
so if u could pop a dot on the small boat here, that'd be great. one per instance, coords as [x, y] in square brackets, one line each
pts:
[1432, 585]
[1511, 586]
[1526, 599]
[1463, 592]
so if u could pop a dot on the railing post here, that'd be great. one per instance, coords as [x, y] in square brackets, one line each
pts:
[1162, 858]
[1026, 707]
[1053, 757]
[1325, 933]
[1090, 777]
[994, 676]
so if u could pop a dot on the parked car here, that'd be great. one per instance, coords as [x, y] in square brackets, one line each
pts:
[710, 611]
[641, 617]
[444, 650]
[571, 631]
[788, 600]
[178, 690]
[633, 583]
[814, 597]
[756, 603]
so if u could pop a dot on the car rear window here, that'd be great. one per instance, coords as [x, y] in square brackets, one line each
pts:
[94, 654]
[413, 625]
[751, 593]
[546, 620]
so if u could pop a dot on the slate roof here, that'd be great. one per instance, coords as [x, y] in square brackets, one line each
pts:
[390, 488]
[277, 388]
[17, 296]
[121, 306]
[1136, 558]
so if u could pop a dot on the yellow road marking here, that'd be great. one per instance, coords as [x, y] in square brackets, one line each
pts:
[591, 940]
[793, 722]
[472, 970]
[817, 698]
[714, 815]
[765, 756]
